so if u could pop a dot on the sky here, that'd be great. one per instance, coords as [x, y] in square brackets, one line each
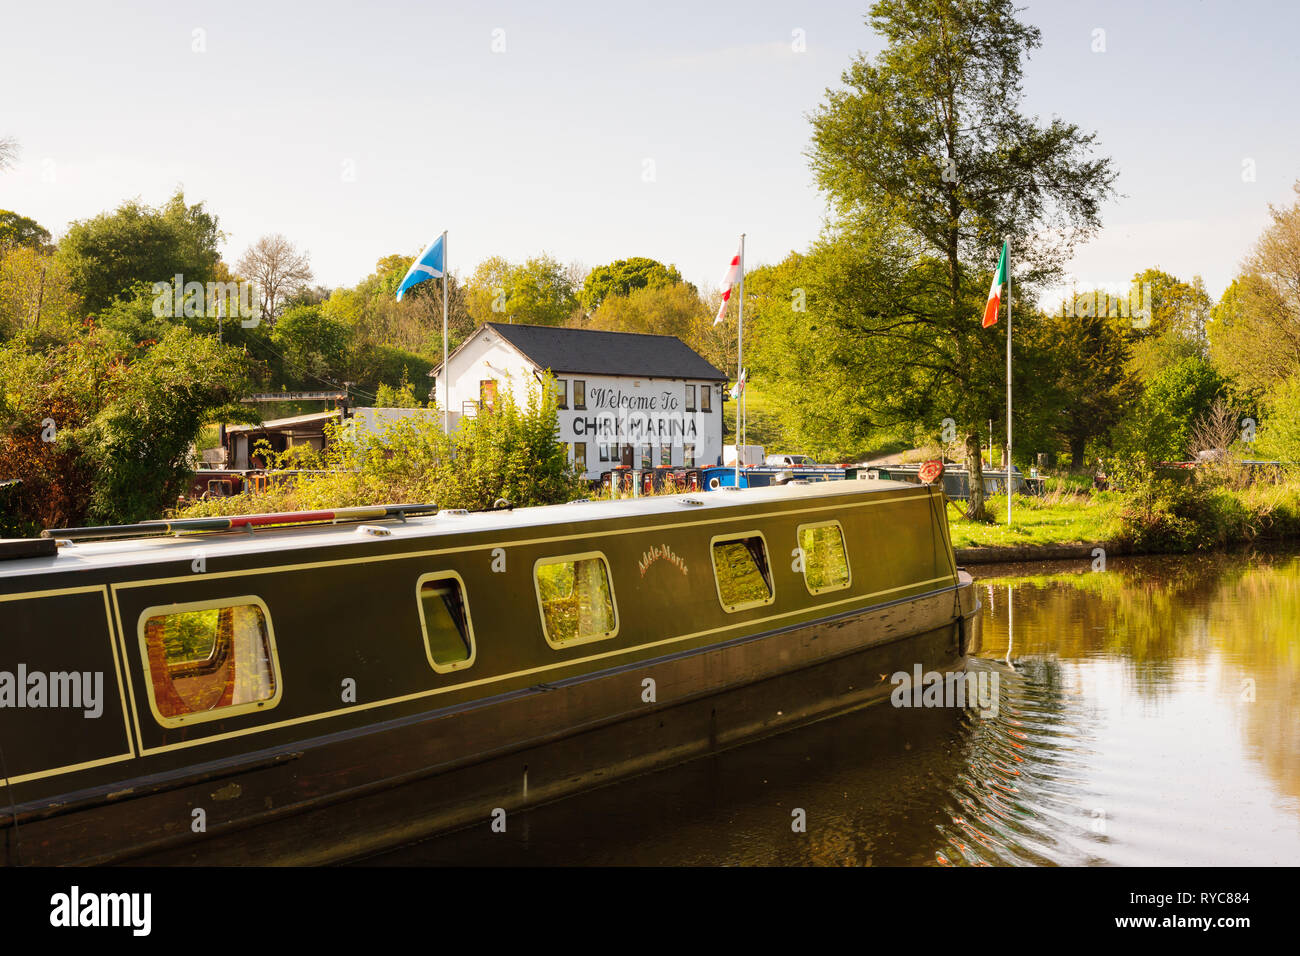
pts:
[595, 131]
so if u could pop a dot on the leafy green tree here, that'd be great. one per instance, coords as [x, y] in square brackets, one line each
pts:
[1278, 438]
[1179, 315]
[107, 255]
[100, 434]
[654, 309]
[625, 276]
[1255, 329]
[929, 164]
[486, 290]
[540, 292]
[314, 347]
[1173, 401]
[1086, 371]
[16, 230]
[35, 292]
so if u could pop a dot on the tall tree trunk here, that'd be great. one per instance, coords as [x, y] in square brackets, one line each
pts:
[1078, 445]
[975, 469]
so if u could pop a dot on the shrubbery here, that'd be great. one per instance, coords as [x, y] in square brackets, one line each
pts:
[512, 452]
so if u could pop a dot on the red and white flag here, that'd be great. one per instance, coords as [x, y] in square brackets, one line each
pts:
[728, 282]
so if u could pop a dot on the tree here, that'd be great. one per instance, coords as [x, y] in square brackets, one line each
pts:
[101, 435]
[654, 309]
[486, 290]
[1179, 315]
[1255, 329]
[107, 255]
[16, 230]
[625, 276]
[540, 293]
[1174, 401]
[35, 292]
[1088, 377]
[8, 152]
[315, 347]
[926, 155]
[278, 268]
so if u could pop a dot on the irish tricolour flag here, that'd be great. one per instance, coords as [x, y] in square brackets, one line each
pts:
[995, 293]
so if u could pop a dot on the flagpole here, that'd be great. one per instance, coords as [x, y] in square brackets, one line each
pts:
[740, 354]
[1010, 484]
[446, 372]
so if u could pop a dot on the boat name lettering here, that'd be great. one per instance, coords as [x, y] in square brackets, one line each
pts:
[661, 552]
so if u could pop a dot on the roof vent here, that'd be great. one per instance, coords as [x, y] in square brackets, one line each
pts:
[692, 501]
[452, 512]
[374, 530]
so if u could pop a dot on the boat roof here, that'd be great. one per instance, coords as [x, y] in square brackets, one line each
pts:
[82, 555]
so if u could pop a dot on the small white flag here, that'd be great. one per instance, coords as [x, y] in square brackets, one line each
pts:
[740, 384]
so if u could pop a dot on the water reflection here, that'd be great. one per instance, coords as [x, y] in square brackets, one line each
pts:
[1148, 715]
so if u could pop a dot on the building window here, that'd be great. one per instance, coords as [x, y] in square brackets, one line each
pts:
[825, 560]
[706, 398]
[444, 618]
[487, 394]
[562, 392]
[575, 598]
[580, 455]
[209, 660]
[688, 456]
[646, 460]
[604, 452]
[579, 394]
[741, 571]
[690, 398]
[666, 455]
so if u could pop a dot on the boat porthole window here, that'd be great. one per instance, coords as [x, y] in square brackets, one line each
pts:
[742, 571]
[209, 660]
[576, 599]
[445, 621]
[714, 484]
[825, 559]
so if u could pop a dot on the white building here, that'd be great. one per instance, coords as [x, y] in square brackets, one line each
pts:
[625, 398]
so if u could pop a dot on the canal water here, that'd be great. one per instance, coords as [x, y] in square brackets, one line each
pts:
[1148, 714]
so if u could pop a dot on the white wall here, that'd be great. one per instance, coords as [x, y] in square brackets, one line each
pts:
[619, 411]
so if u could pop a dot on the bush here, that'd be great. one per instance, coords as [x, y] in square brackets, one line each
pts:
[511, 453]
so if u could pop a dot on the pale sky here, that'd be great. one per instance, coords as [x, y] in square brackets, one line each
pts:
[603, 130]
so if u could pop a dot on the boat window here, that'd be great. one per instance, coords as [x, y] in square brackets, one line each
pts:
[444, 617]
[209, 661]
[825, 560]
[576, 599]
[742, 571]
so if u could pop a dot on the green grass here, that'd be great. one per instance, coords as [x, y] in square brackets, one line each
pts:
[1067, 520]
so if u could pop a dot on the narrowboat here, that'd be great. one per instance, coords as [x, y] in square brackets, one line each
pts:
[956, 480]
[313, 687]
[761, 476]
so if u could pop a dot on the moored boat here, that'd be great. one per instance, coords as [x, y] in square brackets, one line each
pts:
[216, 693]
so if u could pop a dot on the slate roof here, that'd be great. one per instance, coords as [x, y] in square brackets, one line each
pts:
[594, 352]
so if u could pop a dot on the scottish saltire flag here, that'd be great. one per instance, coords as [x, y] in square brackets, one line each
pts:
[728, 280]
[429, 265]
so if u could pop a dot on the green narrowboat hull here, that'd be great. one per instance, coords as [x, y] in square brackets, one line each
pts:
[366, 745]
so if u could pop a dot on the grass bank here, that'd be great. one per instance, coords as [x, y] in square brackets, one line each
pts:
[1169, 517]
